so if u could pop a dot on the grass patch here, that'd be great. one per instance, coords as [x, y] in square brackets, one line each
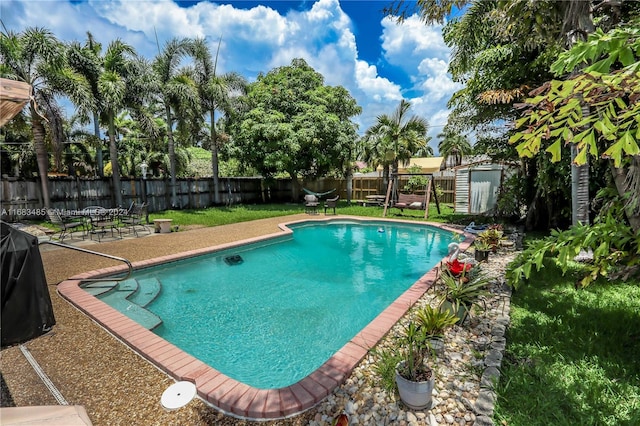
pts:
[573, 356]
[214, 216]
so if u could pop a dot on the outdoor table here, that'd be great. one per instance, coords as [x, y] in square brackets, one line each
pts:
[374, 200]
[100, 219]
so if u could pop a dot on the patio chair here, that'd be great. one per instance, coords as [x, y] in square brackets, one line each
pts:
[311, 204]
[103, 220]
[135, 217]
[65, 225]
[331, 203]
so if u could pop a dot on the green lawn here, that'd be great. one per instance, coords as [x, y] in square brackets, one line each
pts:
[573, 356]
[241, 213]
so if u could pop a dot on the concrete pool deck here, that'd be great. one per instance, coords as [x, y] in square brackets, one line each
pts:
[93, 369]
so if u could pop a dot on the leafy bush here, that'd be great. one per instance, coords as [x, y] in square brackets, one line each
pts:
[615, 250]
[416, 183]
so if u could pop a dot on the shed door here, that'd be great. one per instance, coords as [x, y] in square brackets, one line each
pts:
[484, 186]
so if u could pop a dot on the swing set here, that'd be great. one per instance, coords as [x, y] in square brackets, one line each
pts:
[410, 201]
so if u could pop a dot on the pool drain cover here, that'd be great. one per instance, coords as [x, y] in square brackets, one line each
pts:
[178, 395]
[233, 260]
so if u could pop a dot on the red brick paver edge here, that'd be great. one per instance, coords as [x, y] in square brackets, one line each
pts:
[226, 394]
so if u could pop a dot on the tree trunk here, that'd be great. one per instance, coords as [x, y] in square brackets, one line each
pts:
[115, 168]
[96, 132]
[172, 158]
[627, 182]
[349, 179]
[41, 154]
[579, 191]
[214, 159]
[580, 184]
[395, 177]
[295, 188]
[578, 23]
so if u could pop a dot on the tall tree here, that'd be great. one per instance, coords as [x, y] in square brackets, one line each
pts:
[454, 145]
[176, 90]
[36, 57]
[296, 125]
[217, 93]
[398, 136]
[610, 85]
[123, 83]
[86, 59]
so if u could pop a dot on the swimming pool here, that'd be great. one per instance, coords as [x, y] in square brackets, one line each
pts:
[234, 394]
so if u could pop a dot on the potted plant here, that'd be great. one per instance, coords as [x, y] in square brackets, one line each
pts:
[434, 322]
[460, 294]
[482, 249]
[414, 378]
[492, 236]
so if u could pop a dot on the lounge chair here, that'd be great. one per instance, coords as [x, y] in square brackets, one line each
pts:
[66, 226]
[311, 204]
[135, 217]
[331, 203]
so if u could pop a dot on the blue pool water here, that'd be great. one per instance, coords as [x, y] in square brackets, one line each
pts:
[292, 302]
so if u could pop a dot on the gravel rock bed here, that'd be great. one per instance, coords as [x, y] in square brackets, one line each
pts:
[465, 373]
[117, 386]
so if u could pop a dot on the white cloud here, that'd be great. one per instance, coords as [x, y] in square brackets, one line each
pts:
[405, 44]
[436, 82]
[375, 87]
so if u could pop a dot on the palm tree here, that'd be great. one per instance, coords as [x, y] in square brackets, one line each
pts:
[454, 146]
[124, 83]
[425, 150]
[36, 57]
[396, 137]
[86, 60]
[217, 93]
[176, 89]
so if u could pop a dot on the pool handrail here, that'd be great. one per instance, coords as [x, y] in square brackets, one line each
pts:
[120, 259]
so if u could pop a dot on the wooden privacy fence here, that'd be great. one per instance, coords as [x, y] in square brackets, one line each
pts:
[364, 186]
[22, 198]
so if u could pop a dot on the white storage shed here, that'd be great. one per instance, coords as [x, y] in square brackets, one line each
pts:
[477, 186]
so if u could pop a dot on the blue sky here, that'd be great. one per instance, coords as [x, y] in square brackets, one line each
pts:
[349, 42]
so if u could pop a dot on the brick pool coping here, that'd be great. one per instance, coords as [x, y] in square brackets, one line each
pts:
[226, 394]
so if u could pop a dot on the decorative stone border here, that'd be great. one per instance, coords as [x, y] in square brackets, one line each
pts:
[486, 401]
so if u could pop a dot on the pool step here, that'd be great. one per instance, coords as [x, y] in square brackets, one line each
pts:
[99, 287]
[148, 290]
[118, 298]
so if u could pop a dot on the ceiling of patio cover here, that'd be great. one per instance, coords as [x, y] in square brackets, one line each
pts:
[26, 306]
[14, 95]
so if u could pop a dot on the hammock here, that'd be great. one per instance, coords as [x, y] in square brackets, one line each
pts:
[318, 194]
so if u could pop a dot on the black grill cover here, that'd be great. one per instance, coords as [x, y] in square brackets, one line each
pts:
[26, 306]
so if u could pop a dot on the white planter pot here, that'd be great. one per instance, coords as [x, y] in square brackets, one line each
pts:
[437, 346]
[415, 395]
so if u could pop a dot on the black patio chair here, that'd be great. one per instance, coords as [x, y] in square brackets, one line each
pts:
[66, 226]
[135, 218]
